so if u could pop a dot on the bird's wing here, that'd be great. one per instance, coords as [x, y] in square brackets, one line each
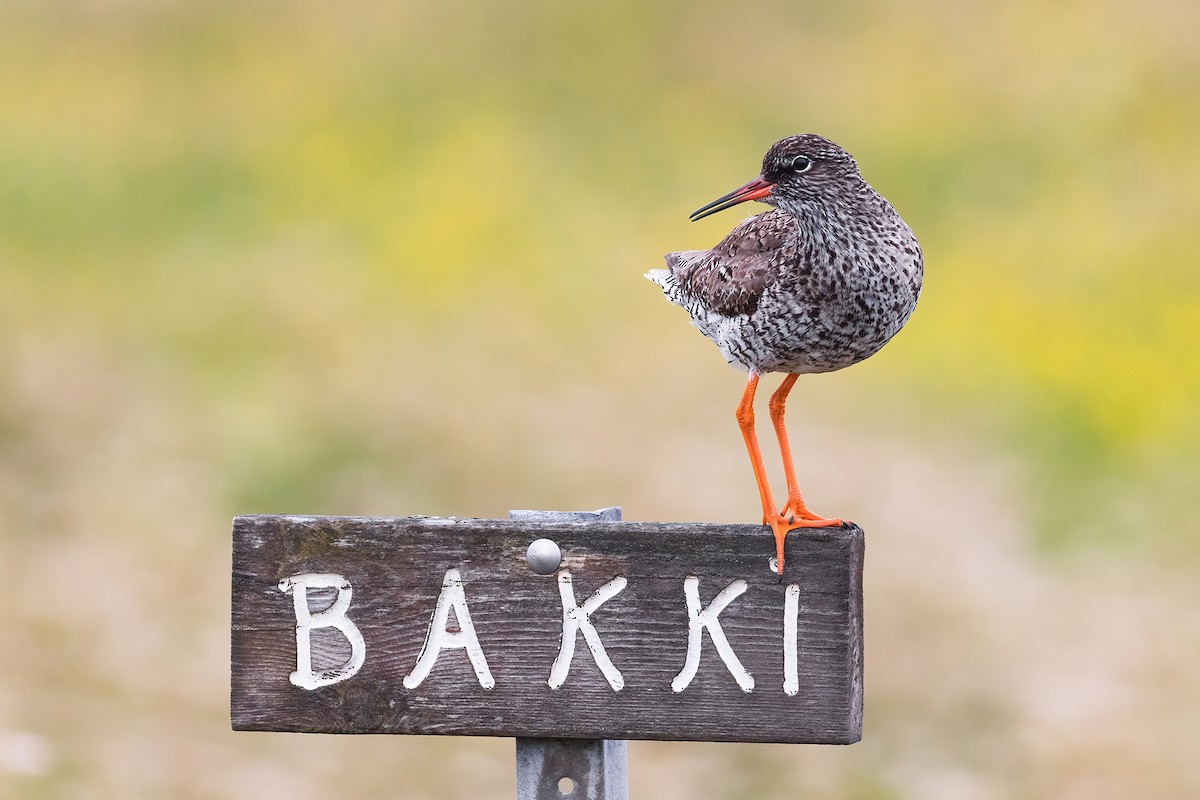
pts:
[730, 278]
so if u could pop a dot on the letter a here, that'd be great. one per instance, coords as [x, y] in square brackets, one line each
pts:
[701, 618]
[439, 638]
[575, 619]
[333, 617]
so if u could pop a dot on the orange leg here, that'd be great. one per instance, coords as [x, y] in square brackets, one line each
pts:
[745, 418]
[795, 505]
[780, 523]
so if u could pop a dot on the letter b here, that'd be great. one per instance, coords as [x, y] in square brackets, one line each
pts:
[332, 617]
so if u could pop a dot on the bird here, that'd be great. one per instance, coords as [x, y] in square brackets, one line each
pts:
[820, 281]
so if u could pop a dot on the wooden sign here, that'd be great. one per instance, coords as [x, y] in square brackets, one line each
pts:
[643, 631]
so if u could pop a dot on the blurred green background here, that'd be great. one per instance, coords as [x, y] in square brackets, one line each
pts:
[386, 258]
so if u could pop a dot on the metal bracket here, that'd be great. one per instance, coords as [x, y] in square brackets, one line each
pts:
[580, 769]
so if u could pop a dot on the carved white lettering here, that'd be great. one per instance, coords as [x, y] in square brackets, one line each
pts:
[439, 638]
[575, 619]
[333, 617]
[700, 618]
[791, 610]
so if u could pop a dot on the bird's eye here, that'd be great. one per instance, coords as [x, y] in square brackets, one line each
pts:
[801, 164]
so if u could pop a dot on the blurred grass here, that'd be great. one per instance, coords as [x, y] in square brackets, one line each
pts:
[386, 258]
[421, 162]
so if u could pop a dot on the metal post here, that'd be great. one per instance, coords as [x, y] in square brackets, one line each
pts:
[579, 769]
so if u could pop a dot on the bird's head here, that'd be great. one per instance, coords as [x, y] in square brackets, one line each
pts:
[799, 169]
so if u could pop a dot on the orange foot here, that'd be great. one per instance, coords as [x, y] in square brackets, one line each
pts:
[786, 521]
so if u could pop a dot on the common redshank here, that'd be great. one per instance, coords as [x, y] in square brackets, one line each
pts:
[819, 282]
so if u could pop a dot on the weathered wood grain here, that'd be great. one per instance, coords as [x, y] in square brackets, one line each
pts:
[396, 567]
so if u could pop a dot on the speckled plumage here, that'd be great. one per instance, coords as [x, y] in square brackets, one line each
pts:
[821, 281]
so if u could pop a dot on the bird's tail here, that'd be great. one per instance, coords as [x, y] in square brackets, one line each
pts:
[662, 277]
[666, 280]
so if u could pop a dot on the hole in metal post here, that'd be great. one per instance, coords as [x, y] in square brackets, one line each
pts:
[566, 786]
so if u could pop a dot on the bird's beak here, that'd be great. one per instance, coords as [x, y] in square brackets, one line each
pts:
[756, 189]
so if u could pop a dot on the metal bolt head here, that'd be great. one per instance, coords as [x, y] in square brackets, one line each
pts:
[543, 556]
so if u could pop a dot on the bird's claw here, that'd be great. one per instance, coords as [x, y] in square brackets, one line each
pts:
[797, 512]
[786, 521]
